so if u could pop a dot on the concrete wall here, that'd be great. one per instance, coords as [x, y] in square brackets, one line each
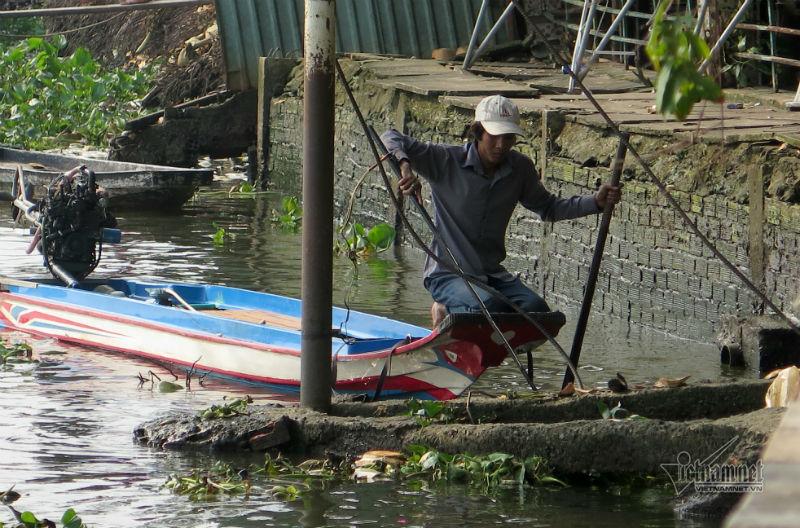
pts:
[655, 273]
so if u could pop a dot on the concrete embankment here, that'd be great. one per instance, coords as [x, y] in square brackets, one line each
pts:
[693, 421]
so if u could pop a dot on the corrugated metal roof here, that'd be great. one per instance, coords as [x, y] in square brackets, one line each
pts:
[250, 29]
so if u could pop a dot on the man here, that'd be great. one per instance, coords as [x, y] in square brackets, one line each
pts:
[474, 189]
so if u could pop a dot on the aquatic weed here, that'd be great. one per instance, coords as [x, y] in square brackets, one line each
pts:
[291, 214]
[15, 353]
[220, 479]
[487, 472]
[48, 100]
[426, 412]
[236, 407]
[27, 519]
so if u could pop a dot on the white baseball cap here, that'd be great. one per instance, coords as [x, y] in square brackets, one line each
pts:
[498, 115]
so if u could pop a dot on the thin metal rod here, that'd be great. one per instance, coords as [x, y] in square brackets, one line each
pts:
[579, 35]
[701, 17]
[582, 40]
[606, 38]
[662, 188]
[597, 257]
[473, 40]
[492, 32]
[725, 34]
[772, 44]
[318, 169]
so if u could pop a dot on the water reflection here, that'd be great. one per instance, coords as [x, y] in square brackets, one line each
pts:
[66, 425]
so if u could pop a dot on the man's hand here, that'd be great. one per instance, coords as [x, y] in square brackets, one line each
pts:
[409, 183]
[608, 194]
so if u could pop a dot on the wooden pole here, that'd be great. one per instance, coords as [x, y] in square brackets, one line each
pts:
[100, 9]
[597, 257]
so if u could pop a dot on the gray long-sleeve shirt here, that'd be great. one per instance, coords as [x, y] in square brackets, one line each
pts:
[471, 209]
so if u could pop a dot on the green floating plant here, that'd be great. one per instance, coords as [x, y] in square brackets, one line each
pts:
[291, 214]
[48, 99]
[677, 53]
[487, 472]
[236, 407]
[356, 240]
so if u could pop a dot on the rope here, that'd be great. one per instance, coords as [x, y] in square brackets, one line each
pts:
[66, 31]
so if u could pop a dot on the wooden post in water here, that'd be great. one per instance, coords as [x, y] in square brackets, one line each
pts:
[317, 254]
[594, 269]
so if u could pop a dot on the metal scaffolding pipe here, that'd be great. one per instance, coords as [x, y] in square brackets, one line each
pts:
[317, 254]
[581, 44]
[492, 32]
[725, 34]
[473, 41]
[605, 40]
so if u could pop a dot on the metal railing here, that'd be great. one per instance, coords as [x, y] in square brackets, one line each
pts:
[626, 20]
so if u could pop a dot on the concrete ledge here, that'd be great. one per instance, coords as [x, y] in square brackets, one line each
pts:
[778, 505]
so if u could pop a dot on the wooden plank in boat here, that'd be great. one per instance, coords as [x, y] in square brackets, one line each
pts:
[260, 317]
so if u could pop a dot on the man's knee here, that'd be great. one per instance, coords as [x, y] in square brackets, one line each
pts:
[534, 303]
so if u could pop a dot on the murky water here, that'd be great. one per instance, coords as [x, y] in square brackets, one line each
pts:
[65, 427]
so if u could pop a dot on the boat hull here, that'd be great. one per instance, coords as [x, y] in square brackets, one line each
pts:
[129, 185]
[435, 365]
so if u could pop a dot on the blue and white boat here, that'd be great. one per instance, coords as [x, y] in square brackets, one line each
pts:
[255, 337]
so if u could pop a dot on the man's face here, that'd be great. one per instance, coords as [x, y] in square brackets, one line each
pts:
[494, 149]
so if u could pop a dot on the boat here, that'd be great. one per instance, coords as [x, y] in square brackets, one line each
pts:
[129, 186]
[255, 337]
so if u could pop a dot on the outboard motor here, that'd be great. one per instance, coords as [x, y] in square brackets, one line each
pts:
[71, 221]
[72, 218]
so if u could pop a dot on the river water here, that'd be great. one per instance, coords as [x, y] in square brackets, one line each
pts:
[66, 424]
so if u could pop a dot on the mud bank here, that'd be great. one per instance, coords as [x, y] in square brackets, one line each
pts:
[570, 434]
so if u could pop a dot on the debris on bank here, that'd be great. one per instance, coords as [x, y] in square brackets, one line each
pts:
[570, 434]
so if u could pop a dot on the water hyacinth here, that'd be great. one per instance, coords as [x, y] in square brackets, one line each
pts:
[47, 99]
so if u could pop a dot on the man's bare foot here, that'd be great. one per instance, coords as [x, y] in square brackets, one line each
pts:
[438, 313]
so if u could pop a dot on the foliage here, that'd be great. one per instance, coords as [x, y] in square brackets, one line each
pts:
[676, 53]
[356, 240]
[237, 407]
[27, 519]
[46, 99]
[486, 472]
[291, 214]
[10, 28]
[221, 235]
[16, 353]
[285, 480]
[221, 478]
[617, 412]
[291, 482]
[426, 412]
[737, 67]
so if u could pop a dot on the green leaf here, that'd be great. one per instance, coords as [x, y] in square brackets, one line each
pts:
[219, 237]
[604, 411]
[70, 519]
[28, 519]
[381, 236]
[168, 386]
